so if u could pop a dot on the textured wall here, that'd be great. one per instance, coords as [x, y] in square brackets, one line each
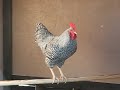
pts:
[1, 42]
[98, 35]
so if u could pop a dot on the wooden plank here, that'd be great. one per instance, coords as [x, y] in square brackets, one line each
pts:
[102, 78]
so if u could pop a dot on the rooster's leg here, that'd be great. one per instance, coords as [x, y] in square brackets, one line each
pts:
[62, 75]
[54, 77]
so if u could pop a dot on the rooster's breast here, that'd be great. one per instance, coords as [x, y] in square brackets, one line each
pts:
[56, 54]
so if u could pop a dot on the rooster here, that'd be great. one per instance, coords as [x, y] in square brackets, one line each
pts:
[56, 49]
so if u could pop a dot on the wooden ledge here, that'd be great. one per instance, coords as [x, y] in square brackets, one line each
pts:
[101, 78]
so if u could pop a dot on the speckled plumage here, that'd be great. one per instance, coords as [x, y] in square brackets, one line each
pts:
[56, 49]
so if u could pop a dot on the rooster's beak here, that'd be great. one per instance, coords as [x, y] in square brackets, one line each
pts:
[75, 32]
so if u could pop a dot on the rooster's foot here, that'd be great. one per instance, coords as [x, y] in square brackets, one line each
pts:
[63, 78]
[55, 79]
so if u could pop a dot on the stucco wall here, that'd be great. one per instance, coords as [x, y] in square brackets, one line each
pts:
[1, 42]
[98, 35]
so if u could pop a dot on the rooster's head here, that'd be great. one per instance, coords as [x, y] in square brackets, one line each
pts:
[73, 33]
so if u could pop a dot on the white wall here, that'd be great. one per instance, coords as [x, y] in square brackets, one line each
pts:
[1, 44]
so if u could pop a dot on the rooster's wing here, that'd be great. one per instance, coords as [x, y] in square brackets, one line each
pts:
[42, 36]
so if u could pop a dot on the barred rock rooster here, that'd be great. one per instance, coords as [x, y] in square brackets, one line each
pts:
[56, 49]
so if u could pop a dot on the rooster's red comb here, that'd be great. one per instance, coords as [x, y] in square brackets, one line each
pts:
[72, 25]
